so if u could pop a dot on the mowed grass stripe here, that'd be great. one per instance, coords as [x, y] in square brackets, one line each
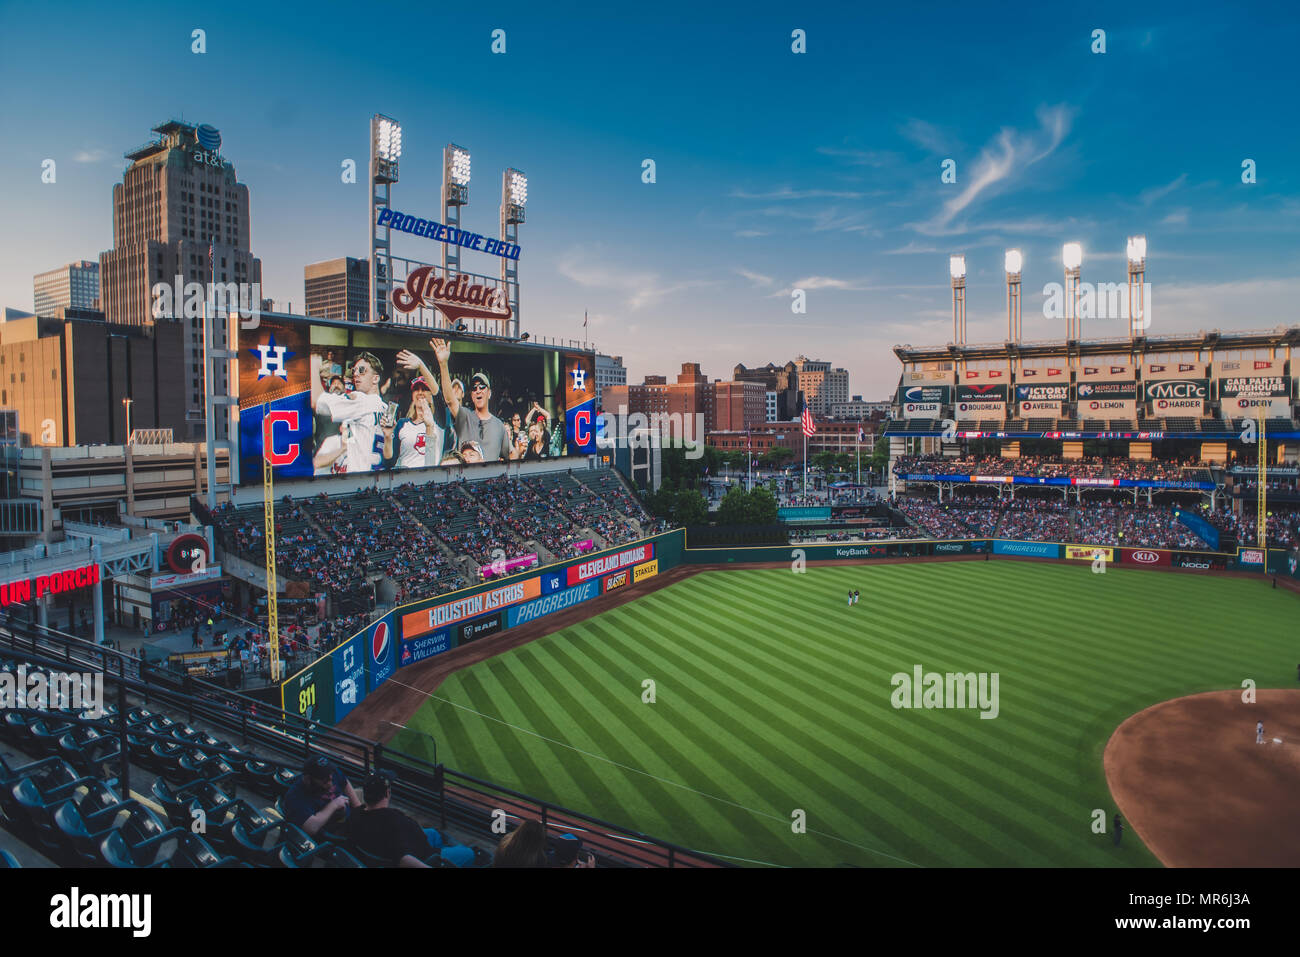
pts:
[1126, 647]
[831, 739]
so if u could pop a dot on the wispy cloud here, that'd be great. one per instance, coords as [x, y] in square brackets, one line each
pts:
[911, 248]
[638, 288]
[758, 279]
[926, 135]
[1002, 161]
[855, 157]
[1149, 196]
[788, 192]
[750, 233]
[90, 156]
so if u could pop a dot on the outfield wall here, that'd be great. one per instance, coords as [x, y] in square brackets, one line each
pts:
[330, 687]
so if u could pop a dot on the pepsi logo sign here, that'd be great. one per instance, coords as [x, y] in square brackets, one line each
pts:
[381, 643]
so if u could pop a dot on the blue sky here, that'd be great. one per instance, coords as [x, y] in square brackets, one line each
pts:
[775, 171]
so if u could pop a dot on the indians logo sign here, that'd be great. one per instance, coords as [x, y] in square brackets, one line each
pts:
[455, 298]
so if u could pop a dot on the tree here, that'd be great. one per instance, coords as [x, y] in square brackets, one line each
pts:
[776, 457]
[690, 508]
[762, 507]
[733, 508]
[880, 453]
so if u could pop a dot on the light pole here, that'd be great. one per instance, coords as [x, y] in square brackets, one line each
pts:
[455, 194]
[1137, 267]
[1013, 263]
[957, 269]
[514, 195]
[1072, 257]
[385, 150]
[126, 404]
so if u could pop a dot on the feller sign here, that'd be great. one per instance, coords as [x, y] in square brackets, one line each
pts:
[19, 591]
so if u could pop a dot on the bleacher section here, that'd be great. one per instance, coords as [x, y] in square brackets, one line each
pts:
[416, 535]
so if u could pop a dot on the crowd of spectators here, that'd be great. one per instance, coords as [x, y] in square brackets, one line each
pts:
[1048, 467]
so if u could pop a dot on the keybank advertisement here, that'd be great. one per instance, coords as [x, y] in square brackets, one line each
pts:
[549, 604]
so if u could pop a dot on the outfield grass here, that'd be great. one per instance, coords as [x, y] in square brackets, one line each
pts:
[772, 695]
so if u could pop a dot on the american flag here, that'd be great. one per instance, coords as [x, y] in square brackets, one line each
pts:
[809, 426]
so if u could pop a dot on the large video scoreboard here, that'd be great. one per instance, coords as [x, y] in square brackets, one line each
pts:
[329, 398]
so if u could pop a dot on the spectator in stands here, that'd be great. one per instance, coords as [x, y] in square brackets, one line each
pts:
[567, 852]
[320, 797]
[387, 833]
[525, 846]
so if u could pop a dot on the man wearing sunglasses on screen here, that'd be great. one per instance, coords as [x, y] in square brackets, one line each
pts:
[474, 422]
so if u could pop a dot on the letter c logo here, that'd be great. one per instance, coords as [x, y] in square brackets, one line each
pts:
[290, 418]
[582, 428]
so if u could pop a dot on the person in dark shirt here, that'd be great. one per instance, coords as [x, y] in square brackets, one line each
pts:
[389, 834]
[321, 796]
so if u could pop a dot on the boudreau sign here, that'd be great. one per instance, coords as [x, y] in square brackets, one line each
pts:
[455, 298]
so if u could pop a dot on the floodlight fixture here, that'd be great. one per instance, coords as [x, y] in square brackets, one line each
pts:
[1072, 255]
[957, 267]
[1014, 260]
[1137, 249]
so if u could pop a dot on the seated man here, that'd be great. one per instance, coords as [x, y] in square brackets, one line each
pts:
[387, 833]
[322, 796]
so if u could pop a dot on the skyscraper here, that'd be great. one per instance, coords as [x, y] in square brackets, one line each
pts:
[178, 199]
[74, 286]
[338, 289]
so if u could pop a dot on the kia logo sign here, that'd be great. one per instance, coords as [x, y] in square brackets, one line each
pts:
[1146, 558]
[380, 643]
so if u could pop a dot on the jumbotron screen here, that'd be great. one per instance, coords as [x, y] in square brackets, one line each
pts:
[335, 398]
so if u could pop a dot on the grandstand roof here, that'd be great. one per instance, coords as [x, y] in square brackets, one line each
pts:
[1202, 340]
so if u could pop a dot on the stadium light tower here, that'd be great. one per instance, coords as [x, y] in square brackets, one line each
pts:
[455, 194]
[957, 270]
[1072, 256]
[1013, 262]
[385, 150]
[1137, 268]
[514, 195]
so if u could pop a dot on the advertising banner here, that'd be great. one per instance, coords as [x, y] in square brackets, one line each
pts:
[916, 410]
[1107, 390]
[349, 676]
[551, 603]
[426, 646]
[1184, 389]
[1107, 409]
[646, 570]
[617, 580]
[1041, 409]
[480, 628]
[1052, 392]
[972, 392]
[1088, 553]
[1250, 556]
[1149, 557]
[508, 566]
[310, 693]
[383, 652]
[584, 571]
[1031, 549]
[1256, 406]
[1255, 387]
[982, 410]
[421, 622]
[937, 394]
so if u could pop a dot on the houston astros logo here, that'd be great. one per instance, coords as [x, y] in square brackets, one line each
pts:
[275, 360]
[379, 643]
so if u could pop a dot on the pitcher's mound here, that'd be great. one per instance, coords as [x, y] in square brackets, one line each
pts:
[1188, 776]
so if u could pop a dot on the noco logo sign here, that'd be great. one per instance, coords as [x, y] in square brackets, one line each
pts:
[616, 581]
